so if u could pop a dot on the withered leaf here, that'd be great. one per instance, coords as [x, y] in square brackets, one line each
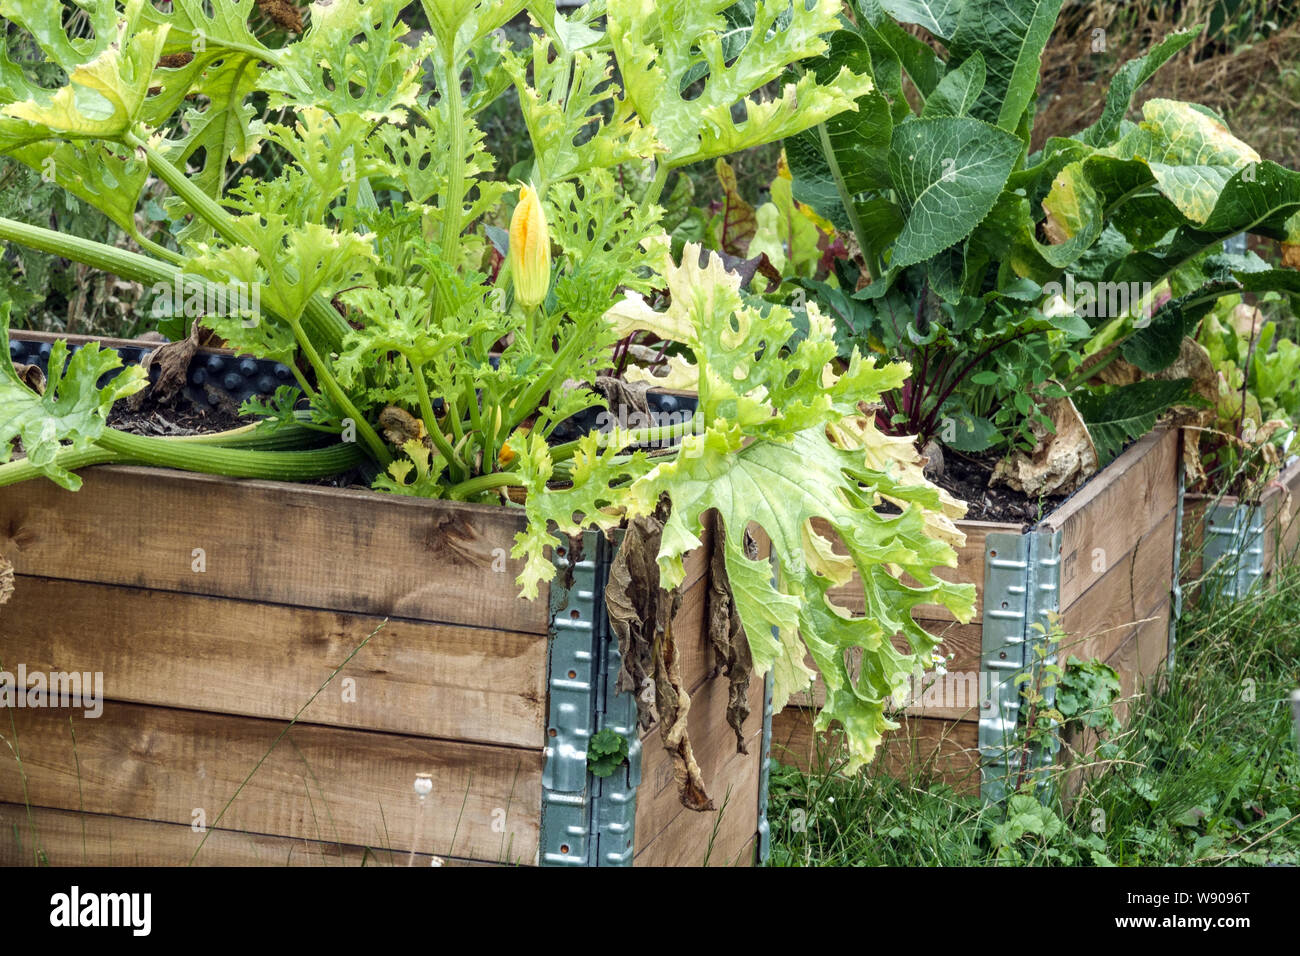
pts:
[641, 614]
[727, 636]
[31, 376]
[6, 580]
[173, 364]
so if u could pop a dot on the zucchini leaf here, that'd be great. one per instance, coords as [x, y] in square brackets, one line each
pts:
[771, 450]
[663, 45]
[73, 409]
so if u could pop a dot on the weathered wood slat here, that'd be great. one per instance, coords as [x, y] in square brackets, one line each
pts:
[321, 783]
[924, 750]
[328, 548]
[723, 837]
[1110, 513]
[1125, 596]
[267, 660]
[658, 805]
[66, 838]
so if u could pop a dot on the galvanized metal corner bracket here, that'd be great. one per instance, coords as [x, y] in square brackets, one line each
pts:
[1022, 592]
[586, 820]
[1234, 549]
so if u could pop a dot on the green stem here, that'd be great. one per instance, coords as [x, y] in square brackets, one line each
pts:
[378, 450]
[482, 483]
[846, 198]
[431, 424]
[14, 472]
[233, 462]
[325, 323]
[656, 187]
[527, 403]
[119, 262]
[451, 206]
[162, 252]
[628, 437]
[203, 204]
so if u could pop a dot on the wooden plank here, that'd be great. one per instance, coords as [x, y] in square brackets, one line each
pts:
[335, 549]
[1138, 660]
[1130, 592]
[659, 809]
[969, 570]
[1119, 506]
[320, 783]
[724, 837]
[66, 838]
[922, 750]
[1286, 539]
[267, 660]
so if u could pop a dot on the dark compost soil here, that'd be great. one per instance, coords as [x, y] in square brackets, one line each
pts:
[966, 477]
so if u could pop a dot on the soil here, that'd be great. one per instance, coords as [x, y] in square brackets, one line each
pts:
[185, 417]
[966, 477]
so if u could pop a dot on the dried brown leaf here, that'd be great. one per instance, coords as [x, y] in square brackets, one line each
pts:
[727, 636]
[6, 580]
[641, 614]
[173, 364]
[32, 377]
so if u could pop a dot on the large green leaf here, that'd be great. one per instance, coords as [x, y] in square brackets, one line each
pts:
[1259, 198]
[949, 172]
[1155, 345]
[661, 45]
[837, 161]
[72, 412]
[45, 22]
[1168, 172]
[764, 457]
[572, 118]
[959, 90]
[103, 99]
[1191, 155]
[1011, 35]
[1124, 414]
[1127, 81]
[353, 59]
[781, 487]
[110, 178]
[937, 16]
[897, 51]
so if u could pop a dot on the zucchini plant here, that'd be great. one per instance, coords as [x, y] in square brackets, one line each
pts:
[453, 348]
[1010, 279]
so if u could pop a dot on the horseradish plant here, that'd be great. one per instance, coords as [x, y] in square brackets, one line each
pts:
[379, 286]
[1010, 279]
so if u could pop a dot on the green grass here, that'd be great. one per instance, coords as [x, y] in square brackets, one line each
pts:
[1206, 773]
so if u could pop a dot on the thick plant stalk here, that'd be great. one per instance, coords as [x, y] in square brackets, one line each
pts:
[234, 462]
[325, 326]
[254, 452]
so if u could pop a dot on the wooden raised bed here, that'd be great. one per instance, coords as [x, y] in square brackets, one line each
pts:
[1230, 547]
[205, 663]
[1103, 560]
